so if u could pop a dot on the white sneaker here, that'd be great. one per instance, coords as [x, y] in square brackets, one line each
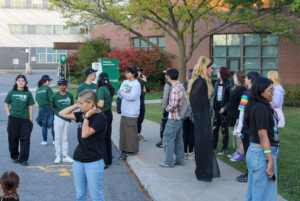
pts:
[44, 143]
[57, 160]
[53, 143]
[67, 159]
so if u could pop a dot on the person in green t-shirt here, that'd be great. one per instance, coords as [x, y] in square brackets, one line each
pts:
[88, 84]
[20, 116]
[43, 97]
[60, 101]
[105, 93]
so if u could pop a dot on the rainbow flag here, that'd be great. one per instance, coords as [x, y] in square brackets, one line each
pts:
[243, 102]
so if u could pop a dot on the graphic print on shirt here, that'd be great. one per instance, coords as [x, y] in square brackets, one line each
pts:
[66, 101]
[126, 86]
[80, 125]
[20, 97]
[219, 94]
[41, 91]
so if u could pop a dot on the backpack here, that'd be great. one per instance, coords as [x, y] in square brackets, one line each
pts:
[118, 105]
[184, 112]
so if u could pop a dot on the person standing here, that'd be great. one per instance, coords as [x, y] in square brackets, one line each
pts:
[261, 121]
[188, 127]
[20, 116]
[105, 93]
[278, 97]
[129, 92]
[60, 101]
[90, 75]
[45, 117]
[165, 114]
[145, 88]
[172, 140]
[88, 164]
[220, 100]
[198, 95]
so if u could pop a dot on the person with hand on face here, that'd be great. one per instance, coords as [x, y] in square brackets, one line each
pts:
[43, 98]
[145, 87]
[60, 101]
[261, 121]
[88, 84]
[20, 116]
[129, 92]
[198, 95]
[88, 164]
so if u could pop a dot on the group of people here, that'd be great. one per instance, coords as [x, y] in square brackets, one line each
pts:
[186, 128]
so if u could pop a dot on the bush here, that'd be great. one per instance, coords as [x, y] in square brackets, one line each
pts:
[76, 70]
[292, 95]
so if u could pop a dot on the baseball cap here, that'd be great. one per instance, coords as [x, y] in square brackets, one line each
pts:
[46, 77]
[62, 81]
[21, 76]
[89, 71]
[103, 77]
[253, 75]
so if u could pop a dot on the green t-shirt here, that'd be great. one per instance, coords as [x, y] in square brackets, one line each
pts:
[43, 96]
[19, 102]
[60, 102]
[85, 86]
[103, 94]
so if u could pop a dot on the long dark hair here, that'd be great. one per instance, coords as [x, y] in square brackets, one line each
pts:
[224, 73]
[15, 87]
[9, 182]
[240, 77]
[258, 87]
[41, 82]
[110, 87]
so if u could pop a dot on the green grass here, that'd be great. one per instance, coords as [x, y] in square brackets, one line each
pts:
[288, 162]
[55, 87]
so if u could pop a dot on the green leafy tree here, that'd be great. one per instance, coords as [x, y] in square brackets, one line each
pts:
[176, 18]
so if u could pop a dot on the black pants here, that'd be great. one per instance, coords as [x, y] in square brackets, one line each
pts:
[188, 135]
[163, 123]
[141, 118]
[107, 140]
[220, 121]
[19, 129]
[246, 144]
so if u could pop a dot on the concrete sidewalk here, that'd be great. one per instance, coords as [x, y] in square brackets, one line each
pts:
[178, 183]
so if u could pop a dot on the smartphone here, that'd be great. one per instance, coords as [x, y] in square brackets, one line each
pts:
[273, 178]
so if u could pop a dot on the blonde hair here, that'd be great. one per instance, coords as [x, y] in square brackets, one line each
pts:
[200, 69]
[89, 96]
[274, 76]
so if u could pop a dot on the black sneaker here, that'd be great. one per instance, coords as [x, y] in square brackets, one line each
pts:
[105, 167]
[160, 144]
[15, 160]
[24, 163]
[242, 178]
[223, 151]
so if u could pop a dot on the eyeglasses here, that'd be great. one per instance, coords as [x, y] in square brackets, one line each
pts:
[271, 90]
[127, 72]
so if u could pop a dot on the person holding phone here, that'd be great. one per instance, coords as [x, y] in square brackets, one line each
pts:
[262, 153]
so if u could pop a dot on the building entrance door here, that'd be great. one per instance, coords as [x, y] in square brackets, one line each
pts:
[233, 64]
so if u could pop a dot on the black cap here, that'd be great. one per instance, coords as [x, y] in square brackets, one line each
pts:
[103, 77]
[139, 69]
[46, 77]
[62, 81]
[89, 71]
[253, 75]
[21, 76]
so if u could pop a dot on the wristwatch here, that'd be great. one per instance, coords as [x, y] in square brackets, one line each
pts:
[87, 118]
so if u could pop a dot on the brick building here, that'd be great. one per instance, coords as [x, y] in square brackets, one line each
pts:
[237, 49]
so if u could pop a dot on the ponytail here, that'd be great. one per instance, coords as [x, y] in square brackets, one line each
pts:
[40, 83]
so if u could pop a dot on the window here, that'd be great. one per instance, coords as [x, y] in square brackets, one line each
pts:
[2, 3]
[18, 3]
[49, 55]
[36, 3]
[31, 29]
[159, 41]
[247, 52]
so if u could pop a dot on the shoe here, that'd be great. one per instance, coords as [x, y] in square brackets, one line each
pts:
[186, 156]
[57, 160]
[242, 178]
[215, 150]
[105, 167]
[123, 154]
[131, 153]
[53, 143]
[233, 155]
[44, 143]
[191, 156]
[165, 165]
[15, 160]
[160, 144]
[223, 151]
[238, 157]
[24, 163]
[180, 164]
[141, 138]
[67, 159]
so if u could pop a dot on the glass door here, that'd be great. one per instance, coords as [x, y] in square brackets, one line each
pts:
[233, 64]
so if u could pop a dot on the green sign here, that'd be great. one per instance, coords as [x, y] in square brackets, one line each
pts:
[63, 59]
[111, 67]
[109, 62]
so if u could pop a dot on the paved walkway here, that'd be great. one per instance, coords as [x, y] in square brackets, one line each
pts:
[178, 183]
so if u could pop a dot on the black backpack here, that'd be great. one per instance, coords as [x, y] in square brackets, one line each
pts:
[118, 105]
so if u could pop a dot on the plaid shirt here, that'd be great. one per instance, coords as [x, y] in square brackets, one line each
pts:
[175, 100]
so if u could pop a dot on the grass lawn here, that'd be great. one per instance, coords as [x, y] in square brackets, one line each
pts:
[288, 161]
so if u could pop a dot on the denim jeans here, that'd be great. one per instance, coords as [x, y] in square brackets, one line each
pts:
[45, 131]
[260, 186]
[173, 142]
[88, 174]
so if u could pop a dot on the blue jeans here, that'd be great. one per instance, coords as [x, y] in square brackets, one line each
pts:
[88, 174]
[173, 142]
[45, 131]
[260, 186]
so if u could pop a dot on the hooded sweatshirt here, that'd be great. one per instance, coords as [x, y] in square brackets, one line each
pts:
[278, 96]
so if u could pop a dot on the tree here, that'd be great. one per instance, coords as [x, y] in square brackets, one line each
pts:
[175, 18]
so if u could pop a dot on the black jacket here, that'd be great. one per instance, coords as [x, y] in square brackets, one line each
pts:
[225, 94]
[143, 93]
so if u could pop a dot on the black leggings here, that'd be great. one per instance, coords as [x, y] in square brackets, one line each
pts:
[107, 140]
[220, 121]
[164, 120]
[188, 135]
